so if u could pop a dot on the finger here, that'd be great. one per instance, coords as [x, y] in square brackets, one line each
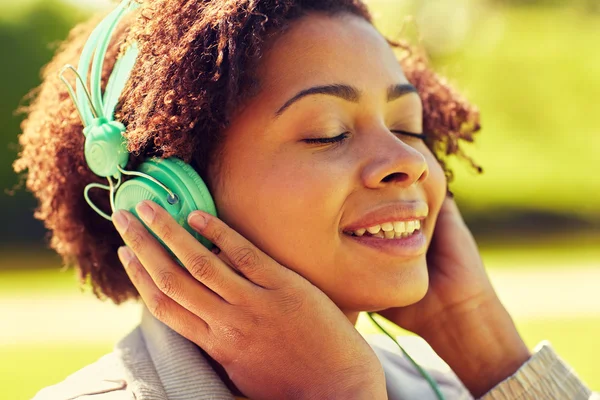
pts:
[202, 264]
[161, 306]
[197, 259]
[223, 257]
[168, 276]
[244, 256]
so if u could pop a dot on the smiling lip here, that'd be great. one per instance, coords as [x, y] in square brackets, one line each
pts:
[398, 211]
[411, 246]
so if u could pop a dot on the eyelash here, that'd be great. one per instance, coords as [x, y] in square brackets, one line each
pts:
[344, 135]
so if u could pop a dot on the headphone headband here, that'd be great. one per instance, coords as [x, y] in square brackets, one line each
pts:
[169, 182]
[102, 34]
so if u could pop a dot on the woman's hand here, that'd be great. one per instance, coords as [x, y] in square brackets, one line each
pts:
[277, 335]
[461, 316]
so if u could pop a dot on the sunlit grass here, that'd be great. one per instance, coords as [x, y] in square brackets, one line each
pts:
[27, 368]
[26, 282]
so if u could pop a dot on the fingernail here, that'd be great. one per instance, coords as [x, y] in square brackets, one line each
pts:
[120, 220]
[125, 254]
[145, 211]
[197, 220]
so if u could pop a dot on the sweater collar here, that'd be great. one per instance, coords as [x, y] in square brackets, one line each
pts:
[165, 365]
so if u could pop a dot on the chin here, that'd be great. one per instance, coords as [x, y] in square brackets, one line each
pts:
[413, 293]
[411, 286]
[410, 289]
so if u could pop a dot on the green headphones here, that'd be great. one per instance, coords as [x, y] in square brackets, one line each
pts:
[171, 183]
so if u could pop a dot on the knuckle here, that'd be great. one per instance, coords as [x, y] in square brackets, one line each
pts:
[244, 258]
[134, 270]
[158, 306]
[218, 234]
[200, 267]
[291, 302]
[235, 336]
[168, 283]
[245, 298]
[255, 320]
[166, 233]
[136, 241]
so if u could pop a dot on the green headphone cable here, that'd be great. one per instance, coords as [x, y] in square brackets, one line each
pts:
[423, 373]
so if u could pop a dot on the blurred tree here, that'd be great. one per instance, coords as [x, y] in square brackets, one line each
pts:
[28, 39]
[587, 5]
[530, 65]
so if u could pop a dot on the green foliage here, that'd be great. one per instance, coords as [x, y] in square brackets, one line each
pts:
[585, 5]
[29, 36]
[533, 72]
[30, 33]
[536, 86]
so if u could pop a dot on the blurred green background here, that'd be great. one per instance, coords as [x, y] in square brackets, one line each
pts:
[533, 69]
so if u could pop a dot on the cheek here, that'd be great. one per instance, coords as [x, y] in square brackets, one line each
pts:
[286, 210]
[435, 188]
[436, 182]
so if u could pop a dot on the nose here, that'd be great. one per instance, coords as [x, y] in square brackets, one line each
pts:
[393, 162]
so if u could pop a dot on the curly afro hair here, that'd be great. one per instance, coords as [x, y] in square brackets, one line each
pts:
[194, 67]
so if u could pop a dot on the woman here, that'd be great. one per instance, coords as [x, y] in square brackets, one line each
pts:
[323, 151]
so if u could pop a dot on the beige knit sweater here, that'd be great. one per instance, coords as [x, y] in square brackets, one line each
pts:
[154, 362]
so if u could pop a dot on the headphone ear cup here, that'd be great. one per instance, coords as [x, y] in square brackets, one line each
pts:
[195, 185]
[181, 179]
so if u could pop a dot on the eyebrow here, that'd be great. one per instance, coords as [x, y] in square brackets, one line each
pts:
[346, 92]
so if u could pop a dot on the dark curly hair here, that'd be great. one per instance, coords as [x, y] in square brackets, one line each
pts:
[194, 68]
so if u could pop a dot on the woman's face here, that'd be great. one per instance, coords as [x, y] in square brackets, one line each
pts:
[294, 199]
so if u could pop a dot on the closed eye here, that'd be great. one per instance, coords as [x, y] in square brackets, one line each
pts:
[344, 135]
[421, 136]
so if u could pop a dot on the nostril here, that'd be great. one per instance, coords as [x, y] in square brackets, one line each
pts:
[396, 176]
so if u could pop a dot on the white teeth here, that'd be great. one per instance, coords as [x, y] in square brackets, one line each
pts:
[389, 234]
[374, 229]
[387, 226]
[399, 226]
[391, 230]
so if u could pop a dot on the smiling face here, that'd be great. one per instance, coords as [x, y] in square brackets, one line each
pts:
[294, 199]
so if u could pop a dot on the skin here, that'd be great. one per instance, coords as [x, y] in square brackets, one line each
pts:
[291, 199]
[305, 193]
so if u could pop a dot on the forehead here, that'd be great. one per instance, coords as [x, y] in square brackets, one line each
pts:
[323, 49]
